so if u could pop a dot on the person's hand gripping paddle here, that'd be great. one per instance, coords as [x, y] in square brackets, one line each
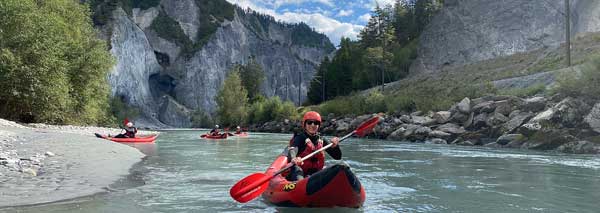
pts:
[255, 184]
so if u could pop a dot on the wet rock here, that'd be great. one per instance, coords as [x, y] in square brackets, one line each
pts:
[579, 147]
[593, 118]
[534, 104]
[508, 138]
[441, 117]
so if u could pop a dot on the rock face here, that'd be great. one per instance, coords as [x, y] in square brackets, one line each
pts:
[135, 62]
[168, 85]
[467, 31]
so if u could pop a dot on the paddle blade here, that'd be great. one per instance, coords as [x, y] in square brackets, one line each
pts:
[125, 122]
[366, 127]
[250, 187]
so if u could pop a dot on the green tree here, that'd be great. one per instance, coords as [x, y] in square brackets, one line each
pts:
[232, 100]
[53, 69]
[316, 93]
[252, 76]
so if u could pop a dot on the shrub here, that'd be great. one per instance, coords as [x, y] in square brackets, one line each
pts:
[586, 83]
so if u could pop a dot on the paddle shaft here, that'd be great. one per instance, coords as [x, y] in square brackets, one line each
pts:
[289, 165]
[313, 153]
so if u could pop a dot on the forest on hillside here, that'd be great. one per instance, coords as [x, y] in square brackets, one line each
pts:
[383, 52]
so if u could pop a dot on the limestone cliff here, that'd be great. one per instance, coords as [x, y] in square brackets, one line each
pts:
[467, 31]
[168, 79]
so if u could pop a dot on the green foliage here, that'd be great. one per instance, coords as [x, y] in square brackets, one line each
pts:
[315, 91]
[524, 92]
[201, 119]
[386, 48]
[271, 109]
[145, 4]
[402, 59]
[53, 69]
[585, 84]
[252, 76]
[212, 13]
[120, 110]
[303, 35]
[232, 101]
[169, 29]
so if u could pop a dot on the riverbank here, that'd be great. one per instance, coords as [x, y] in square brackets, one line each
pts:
[45, 163]
[556, 123]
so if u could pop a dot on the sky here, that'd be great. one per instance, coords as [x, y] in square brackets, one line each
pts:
[334, 18]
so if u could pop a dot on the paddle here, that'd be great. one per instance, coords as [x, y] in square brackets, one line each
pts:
[255, 184]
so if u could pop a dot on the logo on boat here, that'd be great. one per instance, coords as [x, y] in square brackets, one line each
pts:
[289, 187]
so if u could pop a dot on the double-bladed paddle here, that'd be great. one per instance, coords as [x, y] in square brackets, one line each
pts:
[255, 184]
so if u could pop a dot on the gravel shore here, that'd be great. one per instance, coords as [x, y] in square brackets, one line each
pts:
[44, 163]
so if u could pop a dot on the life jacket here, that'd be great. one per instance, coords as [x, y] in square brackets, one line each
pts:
[314, 163]
[130, 132]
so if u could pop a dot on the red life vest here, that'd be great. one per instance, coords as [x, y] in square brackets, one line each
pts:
[317, 161]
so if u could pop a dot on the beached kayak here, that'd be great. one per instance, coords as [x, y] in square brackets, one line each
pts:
[220, 136]
[137, 139]
[333, 186]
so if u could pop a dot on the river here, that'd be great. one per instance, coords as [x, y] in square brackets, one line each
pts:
[183, 173]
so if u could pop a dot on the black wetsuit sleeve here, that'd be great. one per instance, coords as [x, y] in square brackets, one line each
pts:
[299, 144]
[334, 152]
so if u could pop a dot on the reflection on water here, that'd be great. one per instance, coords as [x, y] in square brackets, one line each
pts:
[183, 173]
[148, 149]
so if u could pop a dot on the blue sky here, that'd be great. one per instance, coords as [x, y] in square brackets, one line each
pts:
[334, 18]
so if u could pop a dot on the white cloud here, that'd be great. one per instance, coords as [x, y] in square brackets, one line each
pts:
[343, 13]
[364, 18]
[382, 3]
[334, 29]
[279, 3]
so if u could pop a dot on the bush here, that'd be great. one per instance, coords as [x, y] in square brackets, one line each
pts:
[201, 119]
[272, 109]
[586, 83]
[120, 110]
[232, 101]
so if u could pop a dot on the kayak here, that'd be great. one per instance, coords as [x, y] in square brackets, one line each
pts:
[334, 186]
[137, 139]
[242, 134]
[209, 136]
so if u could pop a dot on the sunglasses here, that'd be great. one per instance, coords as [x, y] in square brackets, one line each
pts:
[311, 122]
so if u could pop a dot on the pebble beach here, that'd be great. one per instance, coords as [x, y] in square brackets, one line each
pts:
[42, 163]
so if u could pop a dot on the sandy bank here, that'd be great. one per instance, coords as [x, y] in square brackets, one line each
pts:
[45, 163]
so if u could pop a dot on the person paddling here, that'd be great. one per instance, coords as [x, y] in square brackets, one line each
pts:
[238, 130]
[215, 131]
[130, 131]
[305, 143]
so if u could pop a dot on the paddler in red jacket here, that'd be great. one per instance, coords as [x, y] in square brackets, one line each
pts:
[307, 142]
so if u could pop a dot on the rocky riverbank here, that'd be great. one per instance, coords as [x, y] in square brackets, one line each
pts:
[44, 163]
[559, 123]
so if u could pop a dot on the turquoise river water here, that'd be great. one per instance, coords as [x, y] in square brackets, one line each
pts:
[183, 173]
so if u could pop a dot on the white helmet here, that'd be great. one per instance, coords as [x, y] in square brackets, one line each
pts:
[129, 124]
[238, 127]
[216, 126]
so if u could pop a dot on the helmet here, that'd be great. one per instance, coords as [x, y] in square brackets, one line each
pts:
[238, 127]
[311, 115]
[216, 126]
[129, 124]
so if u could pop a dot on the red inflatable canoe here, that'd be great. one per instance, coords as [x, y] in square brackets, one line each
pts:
[242, 134]
[333, 186]
[209, 136]
[137, 139]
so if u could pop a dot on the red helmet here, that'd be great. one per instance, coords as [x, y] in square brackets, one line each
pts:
[311, 115]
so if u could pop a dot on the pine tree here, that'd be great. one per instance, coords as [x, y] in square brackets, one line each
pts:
[316, 90]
